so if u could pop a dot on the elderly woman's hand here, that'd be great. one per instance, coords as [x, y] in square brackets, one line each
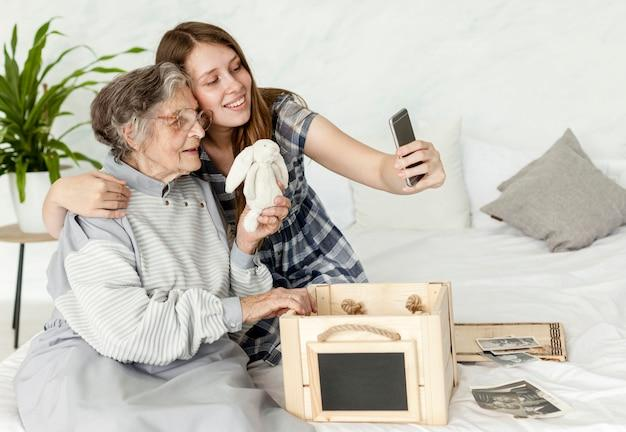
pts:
[269, 222]
[275, 303]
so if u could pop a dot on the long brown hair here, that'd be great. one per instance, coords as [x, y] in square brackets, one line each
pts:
[178, 43]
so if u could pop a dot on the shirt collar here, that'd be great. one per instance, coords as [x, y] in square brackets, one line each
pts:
[204, 155]
[135, 179]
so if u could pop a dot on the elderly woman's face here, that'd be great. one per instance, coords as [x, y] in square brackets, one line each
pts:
[171, 149]
[220, 83]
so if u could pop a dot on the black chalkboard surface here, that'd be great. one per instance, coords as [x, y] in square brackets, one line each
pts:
[363, 381]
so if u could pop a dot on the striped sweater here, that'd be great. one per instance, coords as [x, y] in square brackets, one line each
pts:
[154, 285]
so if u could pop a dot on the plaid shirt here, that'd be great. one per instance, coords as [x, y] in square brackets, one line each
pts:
[308, 248]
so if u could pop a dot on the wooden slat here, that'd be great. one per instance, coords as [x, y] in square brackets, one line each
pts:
[455, 367]
[378, 299]
[321, 293]
[292, 364]
[13, 234]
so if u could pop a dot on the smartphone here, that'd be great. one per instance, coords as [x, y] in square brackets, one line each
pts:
[402, 132]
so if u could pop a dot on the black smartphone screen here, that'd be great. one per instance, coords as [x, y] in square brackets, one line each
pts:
[402, 128]
[403, 131]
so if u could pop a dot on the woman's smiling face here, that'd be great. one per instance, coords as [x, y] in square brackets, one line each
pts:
[221, 84]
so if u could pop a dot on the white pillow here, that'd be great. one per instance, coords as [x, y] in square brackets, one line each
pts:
[444, 208]
[615, 169]
[487, 165]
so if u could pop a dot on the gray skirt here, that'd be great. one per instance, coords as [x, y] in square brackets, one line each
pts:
[65, 385]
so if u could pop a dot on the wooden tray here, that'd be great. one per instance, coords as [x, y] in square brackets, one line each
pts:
[550, 335]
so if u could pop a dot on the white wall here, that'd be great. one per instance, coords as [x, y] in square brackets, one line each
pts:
[519, 72]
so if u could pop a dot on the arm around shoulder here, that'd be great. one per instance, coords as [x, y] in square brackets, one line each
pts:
[93, 194]
[53, 214]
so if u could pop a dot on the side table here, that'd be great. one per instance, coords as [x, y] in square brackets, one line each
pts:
[13, 234]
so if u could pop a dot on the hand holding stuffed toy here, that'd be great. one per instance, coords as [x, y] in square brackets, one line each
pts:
[261, 165]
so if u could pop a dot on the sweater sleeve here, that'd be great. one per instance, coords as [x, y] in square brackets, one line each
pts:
[108, 306]
[248, 275]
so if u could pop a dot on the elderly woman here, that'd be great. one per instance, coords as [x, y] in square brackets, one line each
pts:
[138, 340]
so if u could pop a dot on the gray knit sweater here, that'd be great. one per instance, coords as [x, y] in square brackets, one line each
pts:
[152, 286]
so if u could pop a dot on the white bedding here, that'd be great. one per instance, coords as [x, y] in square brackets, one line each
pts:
[499, 276]
[9, 420]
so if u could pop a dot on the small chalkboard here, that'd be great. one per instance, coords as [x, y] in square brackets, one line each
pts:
[363, 381]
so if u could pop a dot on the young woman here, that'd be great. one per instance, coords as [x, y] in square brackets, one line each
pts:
[303, 247]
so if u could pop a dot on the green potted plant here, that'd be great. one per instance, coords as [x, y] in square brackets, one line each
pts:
[30, 153]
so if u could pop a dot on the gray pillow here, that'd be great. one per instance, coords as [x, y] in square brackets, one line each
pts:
[568, 140]
[561, 198]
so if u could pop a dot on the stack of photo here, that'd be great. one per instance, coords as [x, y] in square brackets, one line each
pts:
[508, 351]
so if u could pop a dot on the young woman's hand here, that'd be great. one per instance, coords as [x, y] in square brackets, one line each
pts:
[275, 303]
[269, 221]
[93, 194]
[431, 166]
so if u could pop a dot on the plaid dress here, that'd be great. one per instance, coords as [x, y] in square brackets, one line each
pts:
[308, 248]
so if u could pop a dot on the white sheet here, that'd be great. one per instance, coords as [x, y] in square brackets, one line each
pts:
[9, 419]
[498, 276]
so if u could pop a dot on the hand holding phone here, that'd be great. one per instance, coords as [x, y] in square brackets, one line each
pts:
[403, 134]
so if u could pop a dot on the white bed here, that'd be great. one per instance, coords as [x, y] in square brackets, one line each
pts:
[499, 275]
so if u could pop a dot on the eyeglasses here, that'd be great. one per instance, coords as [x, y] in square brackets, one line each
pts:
[184, 119]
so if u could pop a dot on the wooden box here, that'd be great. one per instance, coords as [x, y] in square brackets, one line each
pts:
[373, 353]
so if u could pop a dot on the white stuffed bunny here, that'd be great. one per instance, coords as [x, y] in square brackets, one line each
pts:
[261, 165]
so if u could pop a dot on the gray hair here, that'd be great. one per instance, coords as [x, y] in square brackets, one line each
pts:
[128, 99]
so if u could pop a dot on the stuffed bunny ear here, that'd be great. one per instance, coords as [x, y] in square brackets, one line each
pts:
[239, 169]
[249, 187]
[280, 170]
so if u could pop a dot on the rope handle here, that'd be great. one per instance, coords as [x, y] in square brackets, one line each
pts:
[413, 304]
[323, 337]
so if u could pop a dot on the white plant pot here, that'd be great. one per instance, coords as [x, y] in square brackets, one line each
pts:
[29, 212]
